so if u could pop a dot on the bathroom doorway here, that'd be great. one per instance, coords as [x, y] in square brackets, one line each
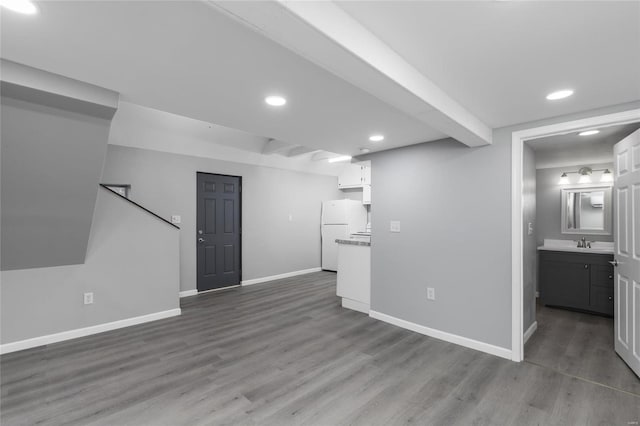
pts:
[563, 334]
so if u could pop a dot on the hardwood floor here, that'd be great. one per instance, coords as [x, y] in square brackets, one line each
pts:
[287, 353]
[579, 345]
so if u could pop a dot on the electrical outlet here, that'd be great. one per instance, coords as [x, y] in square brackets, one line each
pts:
[394, 226]
[176, 219]
[431, 293]
[88, 298]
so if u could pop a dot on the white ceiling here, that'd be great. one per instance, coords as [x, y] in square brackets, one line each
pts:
[189, 59]
[500, 58]
[571, 149]
[496, 59]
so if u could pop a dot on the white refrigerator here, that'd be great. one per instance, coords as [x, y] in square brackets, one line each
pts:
[340, 218]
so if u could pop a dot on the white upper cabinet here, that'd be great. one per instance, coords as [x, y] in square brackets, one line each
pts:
[355, 175]
[366, 172]
[351, 177]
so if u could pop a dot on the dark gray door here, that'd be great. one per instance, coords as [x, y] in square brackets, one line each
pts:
[218, 231]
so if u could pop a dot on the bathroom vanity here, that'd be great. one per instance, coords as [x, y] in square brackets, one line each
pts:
[577, 278]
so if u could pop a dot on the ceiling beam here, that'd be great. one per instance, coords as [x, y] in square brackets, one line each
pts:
[273, 146]
[325, 34]
[322, 155]
[300, 150]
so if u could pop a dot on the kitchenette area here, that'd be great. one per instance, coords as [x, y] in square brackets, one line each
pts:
[346, 238]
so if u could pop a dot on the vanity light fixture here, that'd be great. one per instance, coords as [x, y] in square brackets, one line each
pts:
[275, 100]
[564, 179]
[376, 138]
[560, 94]
[585, 175]
[589, 132]
[25, 7]
[607, 176]
[341, 158]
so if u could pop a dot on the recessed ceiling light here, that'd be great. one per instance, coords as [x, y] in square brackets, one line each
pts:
[21, 6]
[341, 158]
[376, 138]
[275, 100]
[365, 150]
[589, 132]
[560, 94]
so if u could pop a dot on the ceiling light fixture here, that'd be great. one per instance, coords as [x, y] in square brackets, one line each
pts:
[25, 7]
[560, 94]
[589, 132]
[275, 100]
[365, 150]
[341, 158]
[376, 138]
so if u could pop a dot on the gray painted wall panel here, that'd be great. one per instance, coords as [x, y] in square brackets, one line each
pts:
[132, 267]
[51, 163]
[453, 205]
[271, 244]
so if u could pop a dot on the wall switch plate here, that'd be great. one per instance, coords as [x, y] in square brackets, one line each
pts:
[394, 226]
[176, 219]
[290, 217]
[530, 229]
[431, 293]
[88, 298]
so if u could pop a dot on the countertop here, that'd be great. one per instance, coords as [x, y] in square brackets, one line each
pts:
[354, 242]
[597, 247]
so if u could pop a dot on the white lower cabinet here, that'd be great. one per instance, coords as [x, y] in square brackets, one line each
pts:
[354, 276]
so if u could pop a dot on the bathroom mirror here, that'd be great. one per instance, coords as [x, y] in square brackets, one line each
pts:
[586, 210]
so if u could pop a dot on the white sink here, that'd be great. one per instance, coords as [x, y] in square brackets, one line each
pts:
[598, 247]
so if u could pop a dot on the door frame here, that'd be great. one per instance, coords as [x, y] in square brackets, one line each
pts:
[518, 138]
[239, 224]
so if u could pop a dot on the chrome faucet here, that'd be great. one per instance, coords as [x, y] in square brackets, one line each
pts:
[583, 243]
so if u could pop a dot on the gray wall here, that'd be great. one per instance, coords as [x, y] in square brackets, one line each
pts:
[549, 198]
[454, 204]
[51, 162]
[271, 244]
[530, 256]
[132, 266]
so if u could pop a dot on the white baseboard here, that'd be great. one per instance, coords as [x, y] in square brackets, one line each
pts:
[86, 331]
[279, 276]
[532, 329]
[447, 337]
[188, 293]
[355, 305]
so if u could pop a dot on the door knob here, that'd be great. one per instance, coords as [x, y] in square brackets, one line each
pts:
[201, 240]
[614, 262]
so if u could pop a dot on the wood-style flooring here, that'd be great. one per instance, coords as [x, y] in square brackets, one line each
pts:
[580, 345]
[286, 353]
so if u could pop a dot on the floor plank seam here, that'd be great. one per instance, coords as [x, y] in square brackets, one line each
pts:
[582, 379]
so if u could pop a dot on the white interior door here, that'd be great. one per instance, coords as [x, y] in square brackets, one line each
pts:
[627, 250]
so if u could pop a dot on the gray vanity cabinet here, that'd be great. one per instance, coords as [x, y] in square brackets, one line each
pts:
[582, 281]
